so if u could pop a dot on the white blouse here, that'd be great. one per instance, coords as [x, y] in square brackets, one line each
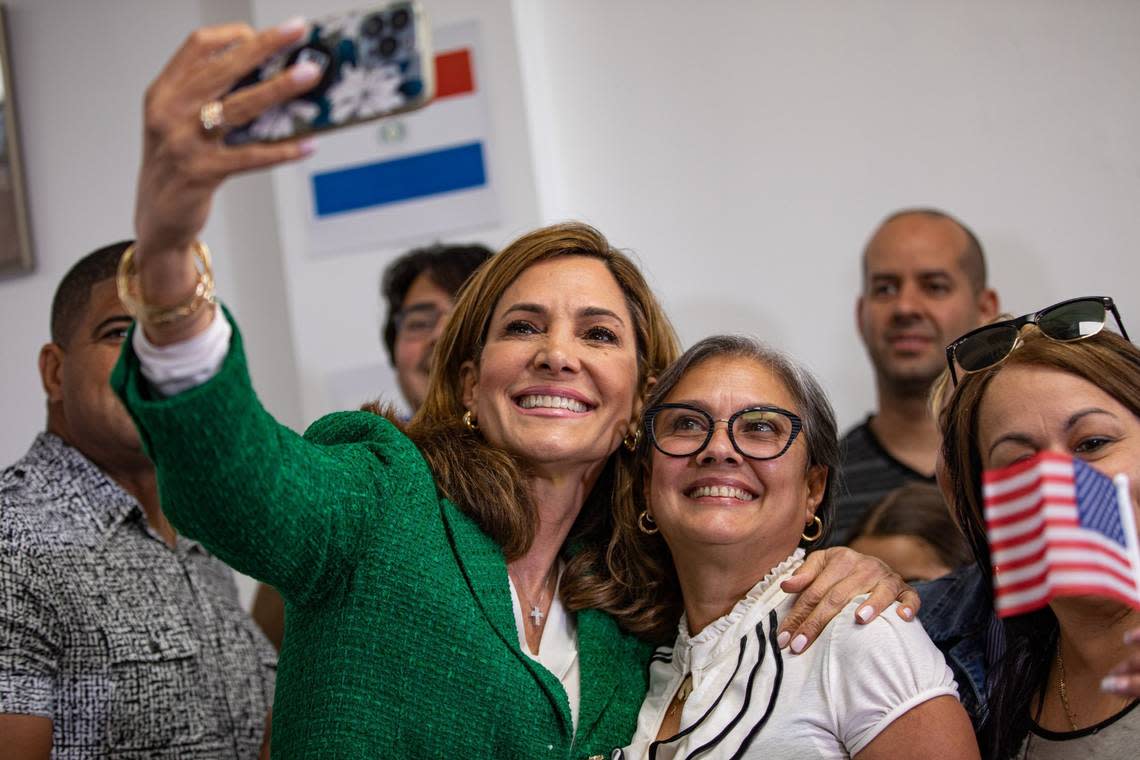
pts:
[752, 700]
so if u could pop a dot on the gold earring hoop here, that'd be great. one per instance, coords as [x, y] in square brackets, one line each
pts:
[818, 530]
[631, 440]
[646, 524]
[469, 421]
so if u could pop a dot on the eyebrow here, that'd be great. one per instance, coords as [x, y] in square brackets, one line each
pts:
[1078, 416]
[588, 311]
[114, 319]
[420, 306]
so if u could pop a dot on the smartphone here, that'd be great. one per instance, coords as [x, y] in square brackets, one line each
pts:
[376, 63]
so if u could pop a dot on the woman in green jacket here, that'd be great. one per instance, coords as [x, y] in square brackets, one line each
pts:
[449, 586]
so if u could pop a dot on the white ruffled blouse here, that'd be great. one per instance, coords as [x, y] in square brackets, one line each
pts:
[749, 699]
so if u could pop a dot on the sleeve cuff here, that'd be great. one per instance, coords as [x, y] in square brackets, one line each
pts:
[175, 368]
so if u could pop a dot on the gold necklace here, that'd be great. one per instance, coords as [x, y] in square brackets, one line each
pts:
[1063, 691]
[683, 692]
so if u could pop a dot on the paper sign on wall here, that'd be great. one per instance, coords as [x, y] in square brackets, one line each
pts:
[413, 176]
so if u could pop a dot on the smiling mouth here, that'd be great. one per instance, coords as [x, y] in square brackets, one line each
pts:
[551, 402]
[720, 492]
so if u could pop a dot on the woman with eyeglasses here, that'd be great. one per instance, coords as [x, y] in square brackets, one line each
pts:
[740, 457]
[1053, 381]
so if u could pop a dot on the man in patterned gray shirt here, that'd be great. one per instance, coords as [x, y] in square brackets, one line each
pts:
[118, 638]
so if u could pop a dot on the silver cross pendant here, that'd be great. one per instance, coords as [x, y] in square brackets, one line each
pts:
[536, 615]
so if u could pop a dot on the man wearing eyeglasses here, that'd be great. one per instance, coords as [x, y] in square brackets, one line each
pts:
[419, 289]
[924, 284]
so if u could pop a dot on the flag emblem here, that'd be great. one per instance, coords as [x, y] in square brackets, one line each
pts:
[1059, 527]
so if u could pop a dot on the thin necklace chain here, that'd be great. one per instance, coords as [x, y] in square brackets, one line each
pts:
[1063, 690]
[535, 613]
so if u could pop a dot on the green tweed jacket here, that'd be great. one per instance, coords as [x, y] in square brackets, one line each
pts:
[399, 638]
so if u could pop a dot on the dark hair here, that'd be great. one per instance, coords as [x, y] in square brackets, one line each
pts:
[74, 290]
[973, 258]
[643, 563]
[1112, 364]
[916, 509]
[448, 266]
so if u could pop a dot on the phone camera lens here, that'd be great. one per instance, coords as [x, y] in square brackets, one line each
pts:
[372, 26]
[400, 19]
[388, 46]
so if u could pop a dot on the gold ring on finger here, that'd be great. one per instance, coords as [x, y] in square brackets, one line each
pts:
[213, 118]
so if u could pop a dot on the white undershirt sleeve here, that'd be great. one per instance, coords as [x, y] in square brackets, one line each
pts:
[180, 366]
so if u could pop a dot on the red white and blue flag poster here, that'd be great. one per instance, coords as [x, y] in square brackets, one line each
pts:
[412, 176]
[1059, 527]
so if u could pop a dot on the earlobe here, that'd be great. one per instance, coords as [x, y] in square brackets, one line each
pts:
[51, 371]
[859, 314]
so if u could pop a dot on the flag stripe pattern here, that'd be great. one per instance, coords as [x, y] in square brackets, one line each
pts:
[400, 179]
[1059, 527]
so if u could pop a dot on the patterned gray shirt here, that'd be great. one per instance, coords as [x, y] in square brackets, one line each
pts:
[133, 649]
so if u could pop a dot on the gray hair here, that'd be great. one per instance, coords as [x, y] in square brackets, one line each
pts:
[820, 430]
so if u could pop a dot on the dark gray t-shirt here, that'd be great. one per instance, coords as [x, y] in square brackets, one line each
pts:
[1117, 738]
[868, 474]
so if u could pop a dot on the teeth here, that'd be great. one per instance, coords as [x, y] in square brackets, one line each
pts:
[721, 492]
[551, 402]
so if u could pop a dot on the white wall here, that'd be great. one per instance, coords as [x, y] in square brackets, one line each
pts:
[80, 69]
[334, 300]
[743, 150]
[746, 150]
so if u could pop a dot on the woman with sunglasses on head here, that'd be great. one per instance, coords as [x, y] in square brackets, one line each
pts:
[452, 567]
[1049, 382]
[740, 456]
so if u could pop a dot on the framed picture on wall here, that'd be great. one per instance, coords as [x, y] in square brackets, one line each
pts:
[15, 238]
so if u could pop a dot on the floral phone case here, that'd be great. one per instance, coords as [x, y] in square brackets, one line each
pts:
[376, 63]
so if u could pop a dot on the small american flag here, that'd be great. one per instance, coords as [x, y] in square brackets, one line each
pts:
[1058, 527]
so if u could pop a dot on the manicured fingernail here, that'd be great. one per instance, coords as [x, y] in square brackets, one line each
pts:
[307, 147]
[1114, 684]
[782, 639]
[305, 72]
[292, 26]
[907, 613]
[865, 612]
[798, 643]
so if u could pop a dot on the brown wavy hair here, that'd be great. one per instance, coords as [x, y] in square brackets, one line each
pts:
[1110, 363]
[491, 485]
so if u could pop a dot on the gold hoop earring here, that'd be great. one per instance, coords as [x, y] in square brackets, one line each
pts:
[631, 440]
[818, 531]
[469, 421]
[645, 523]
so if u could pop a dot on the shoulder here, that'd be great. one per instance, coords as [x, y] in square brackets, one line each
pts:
[373, 431]
[34, 509]
[848, 638]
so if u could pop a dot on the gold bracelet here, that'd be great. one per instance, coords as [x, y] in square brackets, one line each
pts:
[127, 281]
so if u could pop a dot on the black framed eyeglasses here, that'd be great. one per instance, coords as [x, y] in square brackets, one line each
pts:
[757, 432]
[418, 321]
[1067, 321]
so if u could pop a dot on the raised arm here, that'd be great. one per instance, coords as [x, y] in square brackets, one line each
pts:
[183, 165]
[266, 501]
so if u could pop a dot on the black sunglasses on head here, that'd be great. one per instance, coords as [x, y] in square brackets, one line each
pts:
[1071, 320]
